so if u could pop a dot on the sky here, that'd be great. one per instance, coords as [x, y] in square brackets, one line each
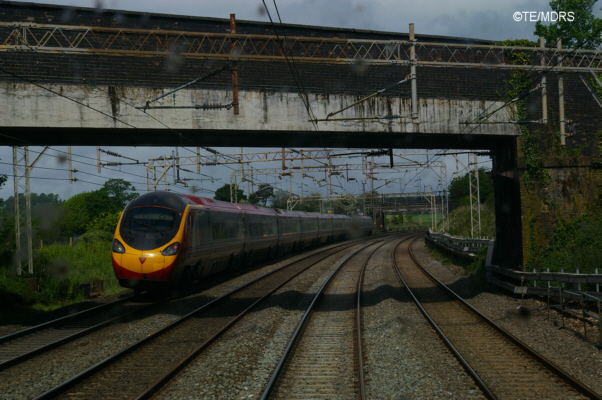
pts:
[491, 20]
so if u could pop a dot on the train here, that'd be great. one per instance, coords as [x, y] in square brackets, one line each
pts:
[165, 239]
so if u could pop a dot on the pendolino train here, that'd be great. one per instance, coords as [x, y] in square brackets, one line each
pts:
[165, 238]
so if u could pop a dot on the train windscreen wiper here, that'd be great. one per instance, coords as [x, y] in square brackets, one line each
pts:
[149, 226]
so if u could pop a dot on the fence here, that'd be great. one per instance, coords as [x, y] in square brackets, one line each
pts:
[458, 246]
[519, 282]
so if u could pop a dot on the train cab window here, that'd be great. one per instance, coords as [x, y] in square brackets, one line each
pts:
[151, 219]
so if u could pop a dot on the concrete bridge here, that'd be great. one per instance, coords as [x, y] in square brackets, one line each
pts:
[79, 78]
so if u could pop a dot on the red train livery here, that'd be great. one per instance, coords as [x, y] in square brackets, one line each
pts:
[165, 238]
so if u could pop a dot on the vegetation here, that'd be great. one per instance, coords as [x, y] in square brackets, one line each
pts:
[90, 218]
[224, 193]
[576, 243]
[459, 189]
[459, 220]
[411, 220]
[584, 32]
[264, 194]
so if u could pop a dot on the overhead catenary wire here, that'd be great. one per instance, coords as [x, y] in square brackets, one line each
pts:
[486, 114]
[121, 99]
[292, 67]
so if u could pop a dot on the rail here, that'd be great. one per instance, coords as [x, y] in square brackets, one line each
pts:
[519, 282]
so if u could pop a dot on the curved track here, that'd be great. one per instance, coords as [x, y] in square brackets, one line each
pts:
[500, 364]
[170, 349]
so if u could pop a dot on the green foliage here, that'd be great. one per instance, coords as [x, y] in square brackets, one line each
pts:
[459, 221]
[345, 204]
[477, 266]
[518, 84]
[576, 243]
[13, 290]
[61, 268]
[223, 193]
[533, 160]
[76, 214]
[411, 220]
[263, 194]
[310, 205]
[584, 32]
[96, 210]
[459, 189]
[280, 198]
[106, 222]
[119, 192]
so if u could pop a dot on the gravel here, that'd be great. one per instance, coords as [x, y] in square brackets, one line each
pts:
[404, 358]
[32, 378]
[566, 347]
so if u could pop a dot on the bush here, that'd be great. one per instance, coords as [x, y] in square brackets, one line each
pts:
[459, 221]
[106, 222]
[61, 268]
[95, 236]
[13, 290]
[575, 243]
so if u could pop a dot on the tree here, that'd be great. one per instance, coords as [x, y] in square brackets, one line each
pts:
[312, 204]
[344, 204]
[280, 198]
[459, 189]
[264, 193]
[223, 193]
[119, 192]
[75, 216]
[583, 32]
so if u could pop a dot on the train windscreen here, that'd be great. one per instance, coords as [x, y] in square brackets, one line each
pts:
[147, 228]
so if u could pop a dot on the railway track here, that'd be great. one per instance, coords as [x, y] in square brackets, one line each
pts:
[324, 358]
[167, 351]
[28, 343]
[501, 365]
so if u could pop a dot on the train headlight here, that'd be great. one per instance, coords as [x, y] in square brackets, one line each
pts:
[172, 249]
[118, 247]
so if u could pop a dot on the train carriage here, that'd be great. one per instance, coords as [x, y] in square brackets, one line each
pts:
[309, 229]
[289, 230]
[261, 232]
[166, 238]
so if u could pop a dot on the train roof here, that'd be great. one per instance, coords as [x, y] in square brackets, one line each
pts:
[161, 199]
[252, 209]
[287, 213]
[179, 202]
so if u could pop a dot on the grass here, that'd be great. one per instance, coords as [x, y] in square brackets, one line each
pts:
[475, 268]
[60, 270]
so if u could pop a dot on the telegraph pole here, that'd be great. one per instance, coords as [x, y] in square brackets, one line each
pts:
[23, 155]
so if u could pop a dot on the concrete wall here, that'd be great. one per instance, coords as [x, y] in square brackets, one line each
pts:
[27, 105]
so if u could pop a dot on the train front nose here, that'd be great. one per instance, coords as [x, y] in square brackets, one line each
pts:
[152, 265]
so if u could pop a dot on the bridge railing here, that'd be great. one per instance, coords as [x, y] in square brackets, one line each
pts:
[48, 38]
